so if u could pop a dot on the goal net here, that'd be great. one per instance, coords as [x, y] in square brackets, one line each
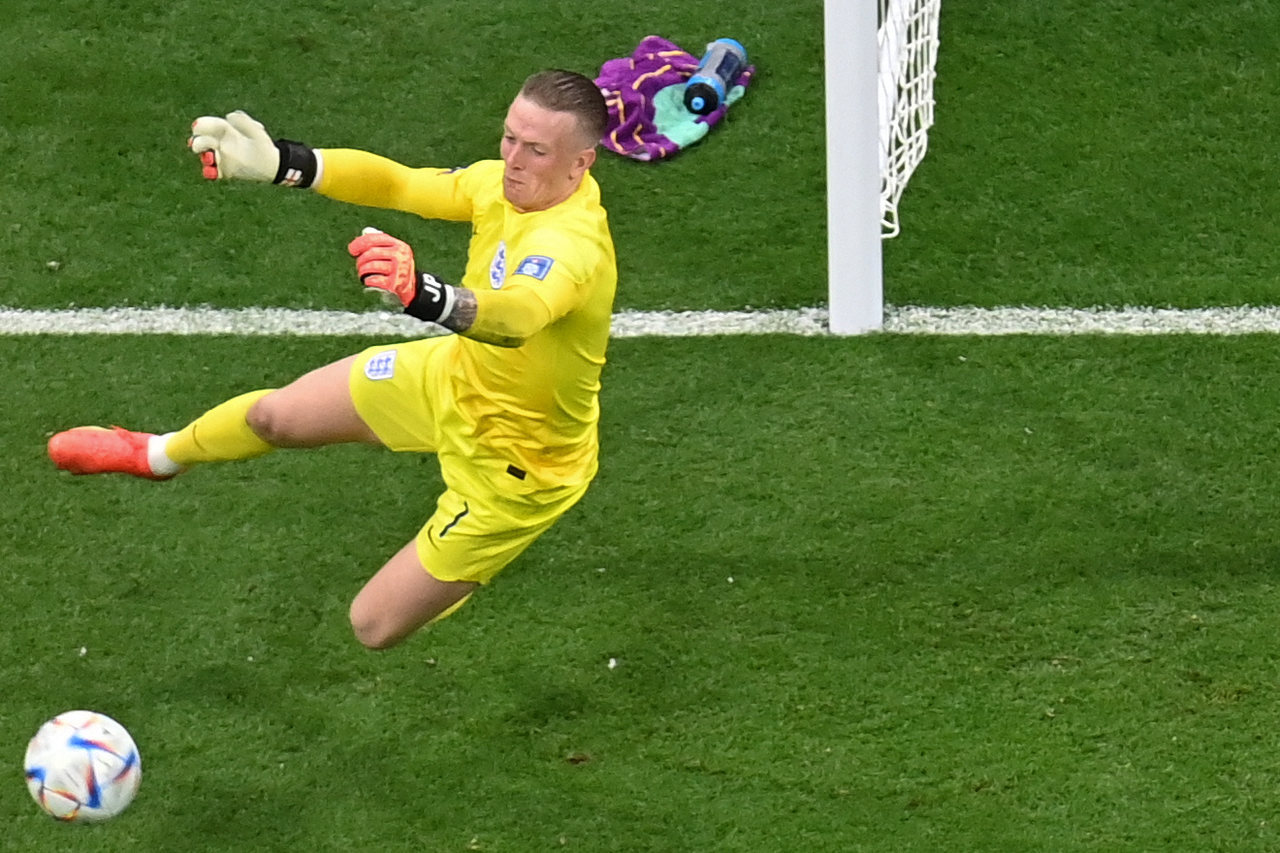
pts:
[908, 50]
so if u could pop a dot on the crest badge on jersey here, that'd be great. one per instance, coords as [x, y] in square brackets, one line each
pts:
[498, 266]
[381, 366]
[535, 266]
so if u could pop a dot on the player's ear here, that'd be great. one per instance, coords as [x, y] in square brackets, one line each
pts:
[585, 159]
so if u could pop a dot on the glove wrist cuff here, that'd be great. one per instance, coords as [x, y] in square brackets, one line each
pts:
[298, 164]
[433, 300]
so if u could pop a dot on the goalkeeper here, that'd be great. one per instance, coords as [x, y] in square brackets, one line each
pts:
[509, 404]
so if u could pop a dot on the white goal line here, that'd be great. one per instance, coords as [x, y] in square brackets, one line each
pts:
[898, 320]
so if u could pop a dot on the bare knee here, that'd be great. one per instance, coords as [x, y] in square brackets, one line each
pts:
[371, 632]
[267, 422]
[309, 413]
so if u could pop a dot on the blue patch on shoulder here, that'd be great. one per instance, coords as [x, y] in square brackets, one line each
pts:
[535, 266]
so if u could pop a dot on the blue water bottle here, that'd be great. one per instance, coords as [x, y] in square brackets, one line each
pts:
[720, 67]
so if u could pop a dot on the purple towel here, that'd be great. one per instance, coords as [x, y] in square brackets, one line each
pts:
[645, 94]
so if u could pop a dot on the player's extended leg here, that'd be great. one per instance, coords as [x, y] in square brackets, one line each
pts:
[314, 410]
[401, 598]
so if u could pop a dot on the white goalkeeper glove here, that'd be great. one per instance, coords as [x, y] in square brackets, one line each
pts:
[238, 146]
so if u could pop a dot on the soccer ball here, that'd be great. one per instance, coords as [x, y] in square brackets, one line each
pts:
[83, 766]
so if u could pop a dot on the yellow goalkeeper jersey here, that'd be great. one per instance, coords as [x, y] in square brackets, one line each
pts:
[545, 279]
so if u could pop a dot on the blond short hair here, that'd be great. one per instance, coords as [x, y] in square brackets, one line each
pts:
[570, 92]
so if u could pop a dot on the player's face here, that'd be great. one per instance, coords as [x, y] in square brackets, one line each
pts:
[545, 155]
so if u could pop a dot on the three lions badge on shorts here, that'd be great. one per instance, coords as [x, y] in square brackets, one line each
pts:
[381, 366]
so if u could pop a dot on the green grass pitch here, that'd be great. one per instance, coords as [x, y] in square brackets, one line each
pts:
[874, 594]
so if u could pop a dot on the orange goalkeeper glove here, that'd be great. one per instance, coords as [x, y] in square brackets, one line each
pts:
[238, 146]
[385, 264]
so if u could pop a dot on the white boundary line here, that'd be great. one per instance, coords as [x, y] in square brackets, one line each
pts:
[906, 320]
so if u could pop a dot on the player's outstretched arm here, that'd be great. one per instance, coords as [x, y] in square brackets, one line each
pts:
[238, 146]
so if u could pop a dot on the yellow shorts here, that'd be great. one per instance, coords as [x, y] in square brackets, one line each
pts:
[484, 519]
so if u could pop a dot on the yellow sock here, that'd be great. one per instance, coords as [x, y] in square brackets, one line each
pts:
[221, 434]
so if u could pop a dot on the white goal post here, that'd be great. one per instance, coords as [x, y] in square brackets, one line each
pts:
[880, 61]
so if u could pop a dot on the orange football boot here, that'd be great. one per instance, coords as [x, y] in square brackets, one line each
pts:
[98, 450]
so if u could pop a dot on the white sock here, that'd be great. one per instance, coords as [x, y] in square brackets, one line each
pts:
[159, 461]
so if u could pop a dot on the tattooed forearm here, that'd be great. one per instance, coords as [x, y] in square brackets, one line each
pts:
[464, 311]
[463, 317]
